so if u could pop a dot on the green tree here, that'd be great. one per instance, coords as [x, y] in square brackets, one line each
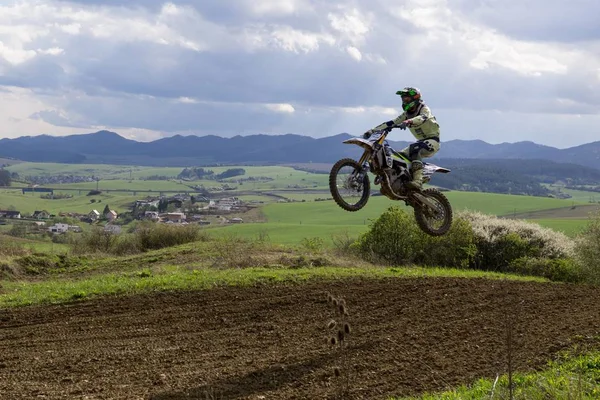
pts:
[5, 178]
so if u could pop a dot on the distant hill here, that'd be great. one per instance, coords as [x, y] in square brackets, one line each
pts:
[106, 147]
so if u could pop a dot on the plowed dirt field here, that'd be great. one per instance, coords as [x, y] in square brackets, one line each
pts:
[268, 342]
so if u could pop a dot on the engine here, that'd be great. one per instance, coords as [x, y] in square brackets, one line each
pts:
[398, 177]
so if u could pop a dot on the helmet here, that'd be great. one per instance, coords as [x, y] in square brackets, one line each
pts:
[410, 97]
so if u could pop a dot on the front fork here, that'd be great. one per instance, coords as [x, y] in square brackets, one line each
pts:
[363, 162]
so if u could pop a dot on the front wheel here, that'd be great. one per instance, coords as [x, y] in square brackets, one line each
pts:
[349, 184]
[435, 222]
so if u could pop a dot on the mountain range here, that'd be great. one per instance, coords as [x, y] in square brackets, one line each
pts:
[105, 147]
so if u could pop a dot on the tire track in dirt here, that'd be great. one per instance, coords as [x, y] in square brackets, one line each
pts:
[409, 336]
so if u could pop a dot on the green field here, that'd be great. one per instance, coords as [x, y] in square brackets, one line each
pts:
[120, 184]
[30, 202]
[289, 223]
[578, 195]
[571, 227]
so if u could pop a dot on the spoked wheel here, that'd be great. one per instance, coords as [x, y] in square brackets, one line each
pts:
[349, 185]
[435, 222]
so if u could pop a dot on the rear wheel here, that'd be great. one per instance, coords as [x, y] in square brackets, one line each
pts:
[435, 222]
[349, 184]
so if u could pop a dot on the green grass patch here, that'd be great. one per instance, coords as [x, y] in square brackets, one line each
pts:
[288, 234]
[181, 278]
[79, 203]
[568, 377]
[570, 227]
[122, 184]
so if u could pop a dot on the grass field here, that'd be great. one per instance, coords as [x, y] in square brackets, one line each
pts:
[289, 223]
[121, 184]
[570, 227]
[30, 202]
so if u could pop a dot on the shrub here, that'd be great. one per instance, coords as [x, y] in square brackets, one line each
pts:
[555, 269]
[454, 249]
[342, 243]
[147, 236]
[587, 250]
[500, 241]
[395, 238]
[312, 244]
[37, 263]
[475, 241]
[392, 238]
[10, 248]
[18, 230]
[94, 241]
[156, 236]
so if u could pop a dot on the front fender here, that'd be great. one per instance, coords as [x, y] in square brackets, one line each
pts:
[364, 143]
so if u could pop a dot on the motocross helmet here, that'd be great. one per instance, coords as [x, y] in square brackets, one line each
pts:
[410, 97]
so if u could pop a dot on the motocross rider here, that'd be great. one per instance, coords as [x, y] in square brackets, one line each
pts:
[422, 124]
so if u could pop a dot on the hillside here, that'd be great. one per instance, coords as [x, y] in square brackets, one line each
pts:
[106, 147]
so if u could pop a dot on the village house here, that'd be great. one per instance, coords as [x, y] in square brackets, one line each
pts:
[10, 214]
[113, 229]
[146, 203]
[111, 215]
[236, 220]
[58, 228]
[94, 215]
[151, 215]
[175, 217]
[41, 214]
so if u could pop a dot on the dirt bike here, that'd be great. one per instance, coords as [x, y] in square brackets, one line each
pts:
[432, 209]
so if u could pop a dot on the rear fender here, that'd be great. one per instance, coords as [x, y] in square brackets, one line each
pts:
[430, 169]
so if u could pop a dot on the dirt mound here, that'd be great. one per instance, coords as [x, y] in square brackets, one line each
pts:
[409, 336]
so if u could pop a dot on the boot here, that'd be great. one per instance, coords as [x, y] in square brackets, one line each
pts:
[417, 175]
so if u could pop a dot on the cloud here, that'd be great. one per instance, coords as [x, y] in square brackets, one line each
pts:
[354, 53]
[153, 68]
[282, 108]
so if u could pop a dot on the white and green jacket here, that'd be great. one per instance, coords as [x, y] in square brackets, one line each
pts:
[423, 124]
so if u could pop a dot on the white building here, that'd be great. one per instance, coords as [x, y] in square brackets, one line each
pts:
[59, 228]
[114, 229]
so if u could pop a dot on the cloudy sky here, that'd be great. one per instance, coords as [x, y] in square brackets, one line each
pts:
[489, 69]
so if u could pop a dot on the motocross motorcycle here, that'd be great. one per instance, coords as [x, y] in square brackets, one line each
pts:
[350, 185]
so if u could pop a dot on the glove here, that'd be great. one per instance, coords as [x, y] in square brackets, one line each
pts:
[404, 124]
[366, 135]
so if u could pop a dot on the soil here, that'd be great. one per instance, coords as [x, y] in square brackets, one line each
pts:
[269, 341]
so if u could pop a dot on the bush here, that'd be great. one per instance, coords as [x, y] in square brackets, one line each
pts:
[147, 236]
[312, 244]
[156, 236]
[475, 241]
[556, 269]
[587, 250]
[18, 230]
[394, 238]
[455, 249]
[10, 248]
[38, 264]
[94, 241]
[500, 241]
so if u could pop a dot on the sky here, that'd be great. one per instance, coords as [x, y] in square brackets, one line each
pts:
[492, 70]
